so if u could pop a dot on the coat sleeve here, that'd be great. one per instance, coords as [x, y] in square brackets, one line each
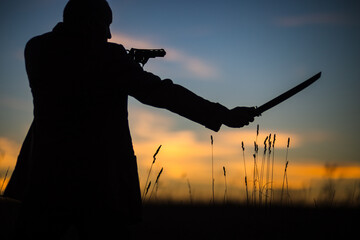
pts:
[151, 90]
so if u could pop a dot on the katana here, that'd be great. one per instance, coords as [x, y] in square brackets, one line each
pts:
[286, 95]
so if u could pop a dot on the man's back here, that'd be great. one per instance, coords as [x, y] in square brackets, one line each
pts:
[81, 142]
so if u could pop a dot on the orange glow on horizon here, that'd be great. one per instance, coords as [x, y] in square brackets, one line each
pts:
[186, 158]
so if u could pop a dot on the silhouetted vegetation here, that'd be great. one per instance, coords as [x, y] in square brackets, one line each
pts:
[166, 220]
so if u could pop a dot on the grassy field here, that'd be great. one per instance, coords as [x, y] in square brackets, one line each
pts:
[164, 219]
[234, 221]
[168, 220]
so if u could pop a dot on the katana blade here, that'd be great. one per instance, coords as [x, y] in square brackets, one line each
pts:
[287, 94]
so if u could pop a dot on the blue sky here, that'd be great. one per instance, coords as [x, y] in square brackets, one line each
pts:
[232, 52]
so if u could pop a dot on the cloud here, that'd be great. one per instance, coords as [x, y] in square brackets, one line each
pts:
[131, 42]
[194, 66]
[311, 19]
[187, 155]
[16, 103]
[9, 151]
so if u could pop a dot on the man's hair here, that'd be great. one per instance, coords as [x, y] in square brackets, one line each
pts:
[87, 12]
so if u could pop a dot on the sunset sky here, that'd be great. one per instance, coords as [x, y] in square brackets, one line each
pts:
[237, 53]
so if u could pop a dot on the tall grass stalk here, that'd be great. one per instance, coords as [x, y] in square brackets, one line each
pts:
[272, 169]
[255, 180]
[246, 185]
[256, 171]
[190, 194]
[261, 186]
[148, 176]
[268, 182]
[225, 193]
[285, 180]
[268, 171]
[156, 184]
[212, 169]
[256, 146]
[146, 191]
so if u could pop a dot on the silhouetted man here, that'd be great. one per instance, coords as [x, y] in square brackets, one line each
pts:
[77, 168]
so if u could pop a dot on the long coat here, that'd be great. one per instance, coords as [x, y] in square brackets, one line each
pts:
[78, 151]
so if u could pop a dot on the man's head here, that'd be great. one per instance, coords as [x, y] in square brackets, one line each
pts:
[92, 17]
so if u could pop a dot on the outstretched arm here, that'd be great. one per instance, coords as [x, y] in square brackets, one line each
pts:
[165, 94]
[151, 90]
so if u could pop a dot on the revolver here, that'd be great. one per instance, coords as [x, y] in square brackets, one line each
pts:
[143, 55]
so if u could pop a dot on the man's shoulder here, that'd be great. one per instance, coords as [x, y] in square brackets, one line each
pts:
[36, 43]
[116, 47]
[38, 40]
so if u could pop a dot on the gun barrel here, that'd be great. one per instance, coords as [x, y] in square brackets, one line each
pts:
[149, 53]
[143, 55]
